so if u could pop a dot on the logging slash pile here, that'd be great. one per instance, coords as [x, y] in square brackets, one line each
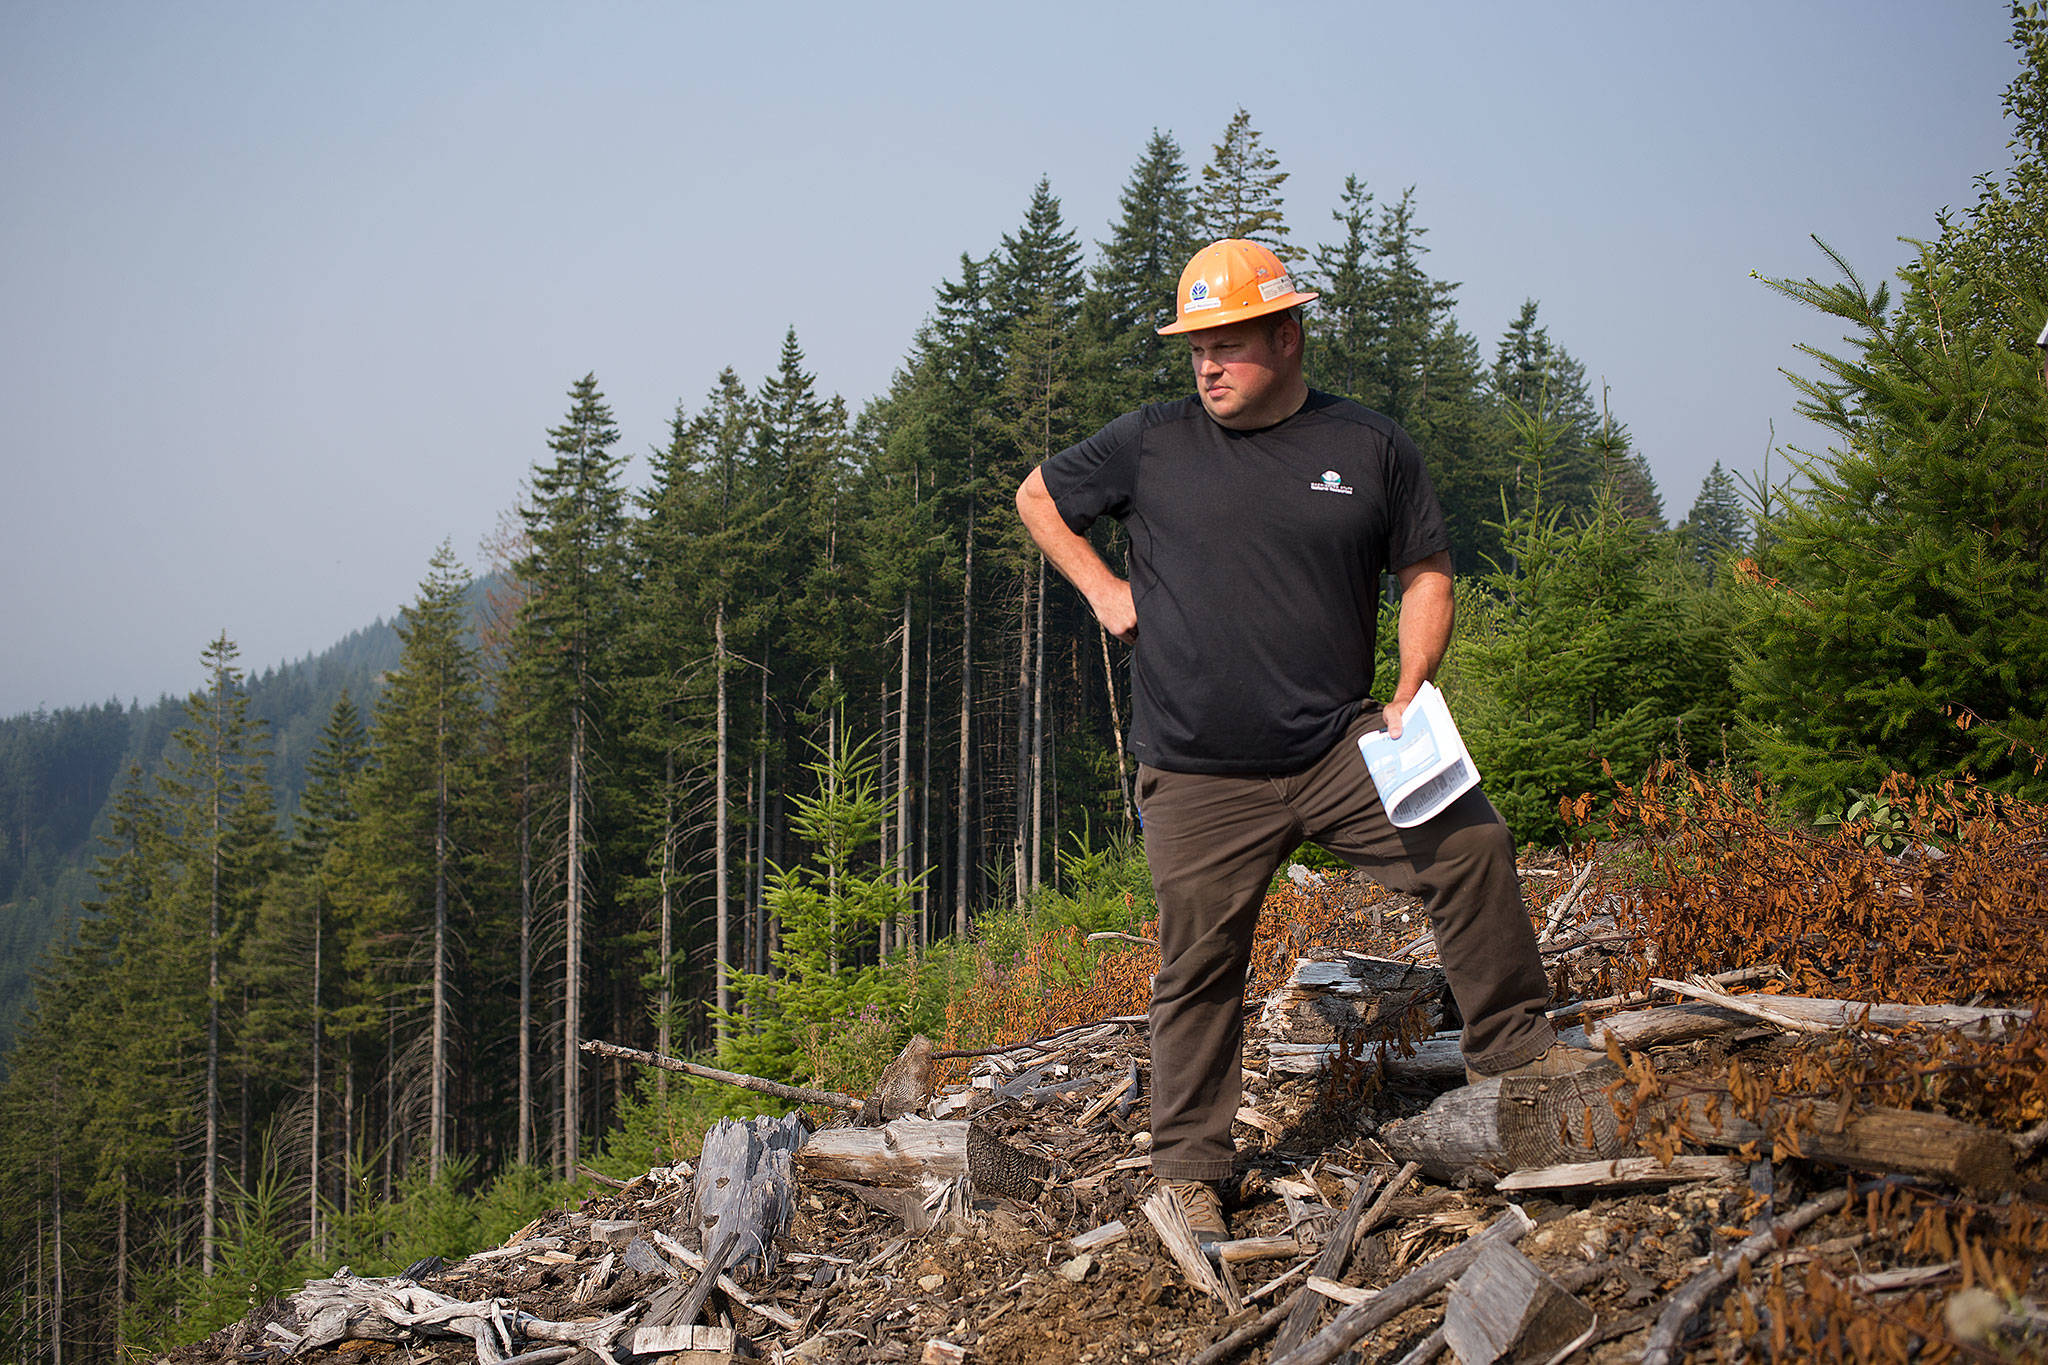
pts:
[1819, 1136]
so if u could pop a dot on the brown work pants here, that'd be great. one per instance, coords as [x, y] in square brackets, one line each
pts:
[1214, 842]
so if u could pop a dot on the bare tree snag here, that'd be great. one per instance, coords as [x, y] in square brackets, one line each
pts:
[746, 1190]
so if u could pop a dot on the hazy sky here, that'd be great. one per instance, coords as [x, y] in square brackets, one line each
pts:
[289, 293]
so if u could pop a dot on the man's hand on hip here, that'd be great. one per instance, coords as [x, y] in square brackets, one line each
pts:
[1116, 610]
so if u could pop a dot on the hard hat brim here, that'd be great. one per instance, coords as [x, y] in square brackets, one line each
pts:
[1225, 317]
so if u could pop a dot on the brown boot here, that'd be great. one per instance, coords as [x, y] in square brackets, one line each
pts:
[1560, 1059]
[1203, 1206]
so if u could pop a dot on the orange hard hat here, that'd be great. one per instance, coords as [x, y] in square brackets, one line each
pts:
[1229, 281]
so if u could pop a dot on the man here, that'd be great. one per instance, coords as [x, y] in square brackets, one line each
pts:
[1261, 516]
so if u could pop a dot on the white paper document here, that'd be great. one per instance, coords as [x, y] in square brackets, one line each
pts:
[1424, 770]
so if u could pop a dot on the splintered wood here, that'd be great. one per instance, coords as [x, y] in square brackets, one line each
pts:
[1008, 1214]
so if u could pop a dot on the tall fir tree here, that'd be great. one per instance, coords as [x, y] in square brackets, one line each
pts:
[1240, 194]
[1132, 284]
[425, 795]
[225, 840]
[1715, 527]
[574, 571]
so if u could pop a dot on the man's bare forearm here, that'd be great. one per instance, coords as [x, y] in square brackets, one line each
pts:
[1427, 614]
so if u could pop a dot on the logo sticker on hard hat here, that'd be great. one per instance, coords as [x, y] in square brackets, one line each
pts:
[1273, 289]
[1198, 297]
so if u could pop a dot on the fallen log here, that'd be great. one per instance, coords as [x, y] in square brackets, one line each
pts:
[1881, 1141]
[913, 1151]
[1485, 1130]
[1668, 1024]
[1495, 1128]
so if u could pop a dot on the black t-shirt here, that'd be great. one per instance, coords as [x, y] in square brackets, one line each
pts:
[1255, 564]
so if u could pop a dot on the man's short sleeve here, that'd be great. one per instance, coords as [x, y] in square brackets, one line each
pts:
[1097, 477]
[1416, 527]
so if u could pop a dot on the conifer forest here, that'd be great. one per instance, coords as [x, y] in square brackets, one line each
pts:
[767, 760]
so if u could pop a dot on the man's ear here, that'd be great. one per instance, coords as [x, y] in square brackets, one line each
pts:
[1293, 324]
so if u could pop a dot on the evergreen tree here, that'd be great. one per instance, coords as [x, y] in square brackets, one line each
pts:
[574, 571]
[1897, 617]
[1410, 308]
[2000, 241]
[290, 965]
[1714, 528]
[1240, 195]
[1599, 645]
[1534, 375]
[1038, 290]
[703, 561]
[1346, 327]
[422, 795]
[828, 909]
[225, 841]
[1132, 288]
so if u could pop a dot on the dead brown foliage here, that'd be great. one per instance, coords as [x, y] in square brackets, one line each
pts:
[1959, 914]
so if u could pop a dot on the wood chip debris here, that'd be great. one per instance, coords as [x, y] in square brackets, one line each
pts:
[895, 1247]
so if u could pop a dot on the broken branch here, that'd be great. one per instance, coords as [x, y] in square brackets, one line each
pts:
[760, 1085]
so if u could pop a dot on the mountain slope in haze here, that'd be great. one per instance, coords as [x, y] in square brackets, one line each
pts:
[60, 769]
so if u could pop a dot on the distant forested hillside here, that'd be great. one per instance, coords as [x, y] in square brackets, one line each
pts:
[59, 769]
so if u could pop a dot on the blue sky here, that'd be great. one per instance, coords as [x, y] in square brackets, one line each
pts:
[293, 292]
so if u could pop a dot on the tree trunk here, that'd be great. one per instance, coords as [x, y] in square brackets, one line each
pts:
[437, 1117]
[960, 862]
[1116, 726]
[572, 967]
[348, 1133]
[764, 937]
[211, 1195]
[903, 753]
[527, 1155]
[121, 1268]
[56, 1254]
[1038, 736]
[1019, 852]
[722, 860]
[665, 1000]
[313, 1157]
[924, 806]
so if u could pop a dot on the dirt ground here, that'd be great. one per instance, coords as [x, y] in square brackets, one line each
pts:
[1001, 1281]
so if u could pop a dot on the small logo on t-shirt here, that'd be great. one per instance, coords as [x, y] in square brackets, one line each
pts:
[1331, 482]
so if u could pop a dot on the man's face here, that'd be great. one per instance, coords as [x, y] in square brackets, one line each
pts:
[1246, 372]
